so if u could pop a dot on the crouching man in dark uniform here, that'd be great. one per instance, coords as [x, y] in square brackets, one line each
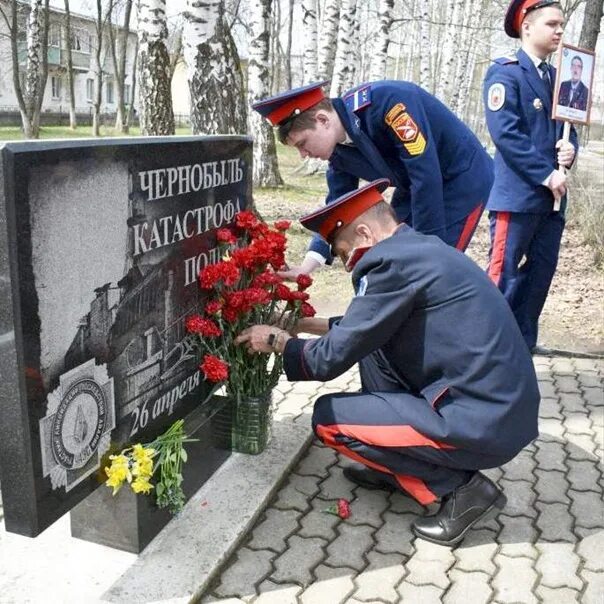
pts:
[449, 386]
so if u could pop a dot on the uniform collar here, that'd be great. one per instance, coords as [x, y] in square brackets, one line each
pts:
[536, 60]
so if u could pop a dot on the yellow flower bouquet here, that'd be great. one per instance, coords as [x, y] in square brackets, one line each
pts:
[135, 465]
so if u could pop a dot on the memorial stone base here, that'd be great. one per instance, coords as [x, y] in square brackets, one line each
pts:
[128, 521]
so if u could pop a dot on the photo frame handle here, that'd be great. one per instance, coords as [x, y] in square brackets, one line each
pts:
[566, 139]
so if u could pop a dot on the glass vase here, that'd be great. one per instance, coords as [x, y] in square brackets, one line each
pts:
[244, 424]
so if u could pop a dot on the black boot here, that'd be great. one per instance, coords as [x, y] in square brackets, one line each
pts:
[459, 511]
[370, 479]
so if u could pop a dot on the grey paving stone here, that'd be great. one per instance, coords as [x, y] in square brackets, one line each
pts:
[368, 507]
[476, 552]
[594, 587]
[291, 405]
[596, 415]
[248, 569]
[578, 423]
[590, 380]
[590, 549]
[296, 493]
[587, 509]
[298, 560]
[272, 532]
[317, 462]
[419, 594]
[587, 365]
[517, 536]
[583, 475]
[401, 503]
[558, 565]
[514, 580]
[379, 579]
[573, 403]
[335, 486]
[550, 408]
[593, 397]
[350, 546]
[318, 523]
[429, 572]
[550, 456]
[306, 388]
[521, 497]
[557, 595]
[332, 585]
[395, 536]
[551, 427]
[547, 389]
[581, 446]
[468, 587]
[551, 486]
[496, 474]
[566, 384]
[278, 594]
[562, 366]
[520, 468]
[555, 522]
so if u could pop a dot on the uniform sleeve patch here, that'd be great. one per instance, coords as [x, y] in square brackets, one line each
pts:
[496, 97]
[394, 113]
[408, 132]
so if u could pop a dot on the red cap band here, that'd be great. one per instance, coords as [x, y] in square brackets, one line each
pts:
[302, 102]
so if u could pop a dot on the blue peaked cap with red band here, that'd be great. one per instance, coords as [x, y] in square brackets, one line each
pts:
[518, 10]
[286, 105]
[344, 210]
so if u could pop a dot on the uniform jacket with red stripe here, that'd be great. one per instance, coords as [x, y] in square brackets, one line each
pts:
[524, 134]
[401, 132]
[448, 335]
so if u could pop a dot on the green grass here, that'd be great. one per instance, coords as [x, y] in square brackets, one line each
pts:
[49, 132]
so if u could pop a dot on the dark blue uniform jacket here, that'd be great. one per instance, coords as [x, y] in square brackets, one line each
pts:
[524, 134]
[401, 132]
[448, 335]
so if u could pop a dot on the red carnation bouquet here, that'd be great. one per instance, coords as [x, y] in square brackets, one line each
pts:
[243, 290]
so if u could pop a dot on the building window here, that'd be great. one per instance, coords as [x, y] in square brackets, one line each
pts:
[89, 89]
[109, 92]
[80, 40]
[54, 35]
[55, 83]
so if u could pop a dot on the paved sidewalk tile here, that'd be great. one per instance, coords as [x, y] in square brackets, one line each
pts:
[545, 546]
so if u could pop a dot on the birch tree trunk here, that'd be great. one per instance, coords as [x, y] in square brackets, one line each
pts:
[450, 48]
[29, 96]
[424, 45]
[73, 124]
[213, 70]
[119, 49]
[266, 167]
[591, 24]
[341, 68]
[288, 45]
[328, 39]
[156, 114]
[353, 52]
[309, 30]
[379, 60]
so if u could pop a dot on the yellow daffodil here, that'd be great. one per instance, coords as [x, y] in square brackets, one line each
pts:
[143, 461]
[118, 472]
[141, 485]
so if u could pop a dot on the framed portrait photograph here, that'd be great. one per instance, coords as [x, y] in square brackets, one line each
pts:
[574, 84]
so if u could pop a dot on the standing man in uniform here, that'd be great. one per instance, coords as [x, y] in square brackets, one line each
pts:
[394, 130]
[448, 384]
[525, 229]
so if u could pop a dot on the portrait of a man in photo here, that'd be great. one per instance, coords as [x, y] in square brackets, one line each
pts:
[574, 93]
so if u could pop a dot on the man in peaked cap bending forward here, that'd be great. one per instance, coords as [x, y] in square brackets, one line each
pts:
[395, 130]
[448, 383]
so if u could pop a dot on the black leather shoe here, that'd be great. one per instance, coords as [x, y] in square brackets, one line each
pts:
[370, 479]
[459, 511]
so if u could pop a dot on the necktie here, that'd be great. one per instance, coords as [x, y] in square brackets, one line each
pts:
[545, 77]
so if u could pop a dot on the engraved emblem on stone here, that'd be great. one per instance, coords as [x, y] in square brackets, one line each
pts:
[538, 104]
[75, 432]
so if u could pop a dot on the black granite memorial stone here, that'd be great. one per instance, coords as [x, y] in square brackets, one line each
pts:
[100, 246]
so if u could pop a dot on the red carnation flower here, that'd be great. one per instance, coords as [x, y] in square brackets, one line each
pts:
[244, 258]
[225, 236]
[230, 315]
[298, 296]
[266, 278]
[246, 220]
[208, 329]
[283, 292]
[307, 310]
[283, 225]
[303, 281]
[214, 368]
[341, 509]
[192, 323]
[213, 307]
[227, 272]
